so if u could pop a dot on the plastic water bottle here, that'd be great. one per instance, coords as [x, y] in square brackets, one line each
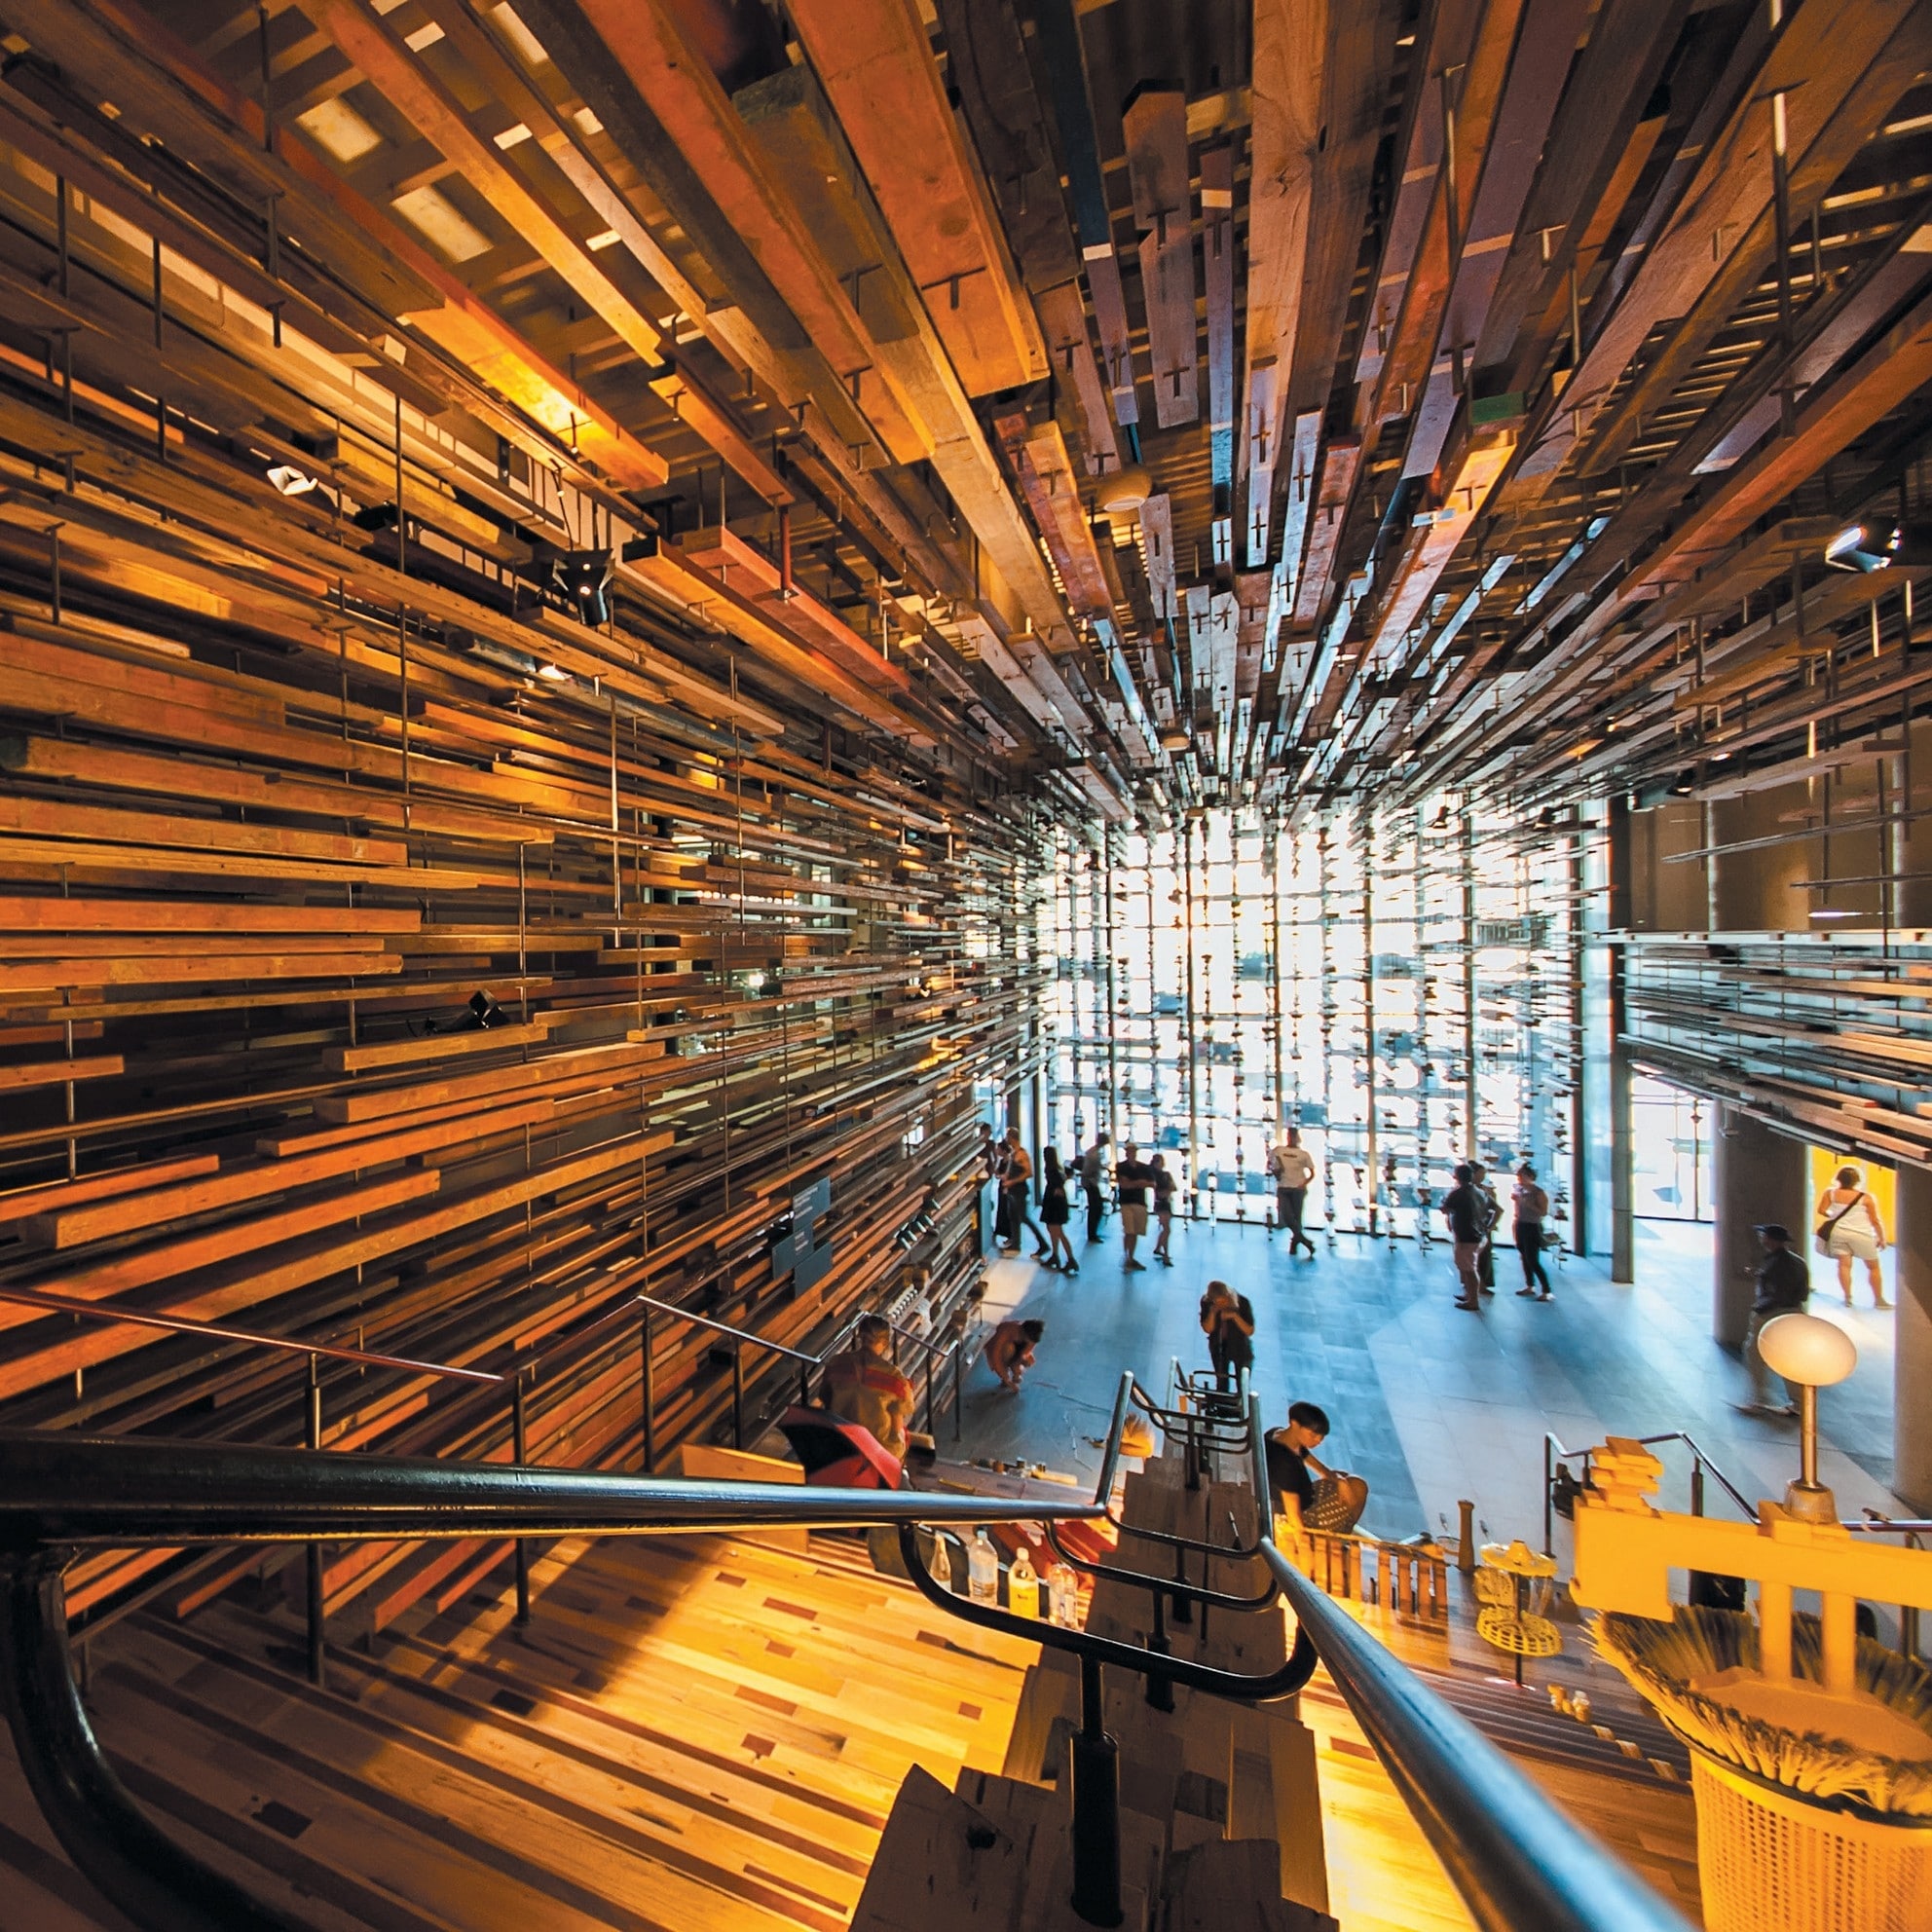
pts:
[1022, 1587]
[1063, 1596]
[939, 1561]
[982, 1570]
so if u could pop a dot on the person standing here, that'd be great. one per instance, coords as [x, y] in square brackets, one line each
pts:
[1490, 1210]
[1227, 1319]
[1784, 1287]
[1053, 1211]
[1132, 1177]
[1017, 1184]
[1094, 1183]
[1851, 1227]
[1293, 1168]
[988, 1156]
[1164, 1208]
[1530, 1206]
[1462, 1210]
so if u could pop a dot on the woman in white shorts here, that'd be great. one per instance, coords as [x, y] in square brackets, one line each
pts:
[1850, 1223]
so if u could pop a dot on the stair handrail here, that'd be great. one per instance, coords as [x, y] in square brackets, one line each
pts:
[1095, 1757]
[1519, 1864]
[59, 1493]
[1701, 1464]
[217, 1332]
[1176, 1588]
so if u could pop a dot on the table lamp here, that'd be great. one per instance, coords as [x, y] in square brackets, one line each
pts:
[1811, 1354]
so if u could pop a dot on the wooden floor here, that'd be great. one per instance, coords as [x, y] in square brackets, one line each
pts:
[690, 1732]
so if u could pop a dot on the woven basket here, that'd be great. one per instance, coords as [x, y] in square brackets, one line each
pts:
[1769, 1860]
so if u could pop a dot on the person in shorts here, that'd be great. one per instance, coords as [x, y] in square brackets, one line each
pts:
[1164, 1208]
[1853, 1230]
[1133, 1179]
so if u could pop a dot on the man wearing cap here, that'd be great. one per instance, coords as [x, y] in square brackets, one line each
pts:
[1784, 1287]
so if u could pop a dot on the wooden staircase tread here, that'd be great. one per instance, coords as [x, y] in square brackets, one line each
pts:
[447, 1838]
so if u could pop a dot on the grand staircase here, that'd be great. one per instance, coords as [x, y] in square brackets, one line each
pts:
[763, 1731]
[689, 1731]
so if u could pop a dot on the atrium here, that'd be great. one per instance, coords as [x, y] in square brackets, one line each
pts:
[957, 961]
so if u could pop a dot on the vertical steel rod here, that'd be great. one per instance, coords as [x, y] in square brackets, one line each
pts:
[520, 1455]
[314, 1435]
[1095, 1763]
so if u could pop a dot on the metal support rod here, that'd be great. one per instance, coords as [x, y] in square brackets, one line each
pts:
[647, 1389]
[520, 1455]
[1183, 1607]
[1159, 1690]
[1697, 1487]
[738, 1395]
[314, 1435]
[1095, 1767]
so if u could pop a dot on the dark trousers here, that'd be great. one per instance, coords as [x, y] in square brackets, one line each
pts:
[1096, 1206]
[1230, 1358]
[1291, 1202]
[1529, 1251]
[1019, 1215]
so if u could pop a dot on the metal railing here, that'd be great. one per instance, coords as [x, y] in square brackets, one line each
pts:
[739, 1339]
[1701, 1467]
[519, 1379]
[59, 1493]
[1094, 1755]
[1519, 1864]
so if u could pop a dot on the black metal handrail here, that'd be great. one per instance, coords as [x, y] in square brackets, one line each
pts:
[1095, 1757]
[1701, 1464]
[1519, 1864]
[59, 1493]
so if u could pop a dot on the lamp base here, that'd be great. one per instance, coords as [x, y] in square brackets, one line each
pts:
[1810, 1503]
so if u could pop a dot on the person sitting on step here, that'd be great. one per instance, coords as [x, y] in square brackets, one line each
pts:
[864, 1385]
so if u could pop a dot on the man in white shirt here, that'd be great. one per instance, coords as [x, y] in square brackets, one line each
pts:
[1293, 1168]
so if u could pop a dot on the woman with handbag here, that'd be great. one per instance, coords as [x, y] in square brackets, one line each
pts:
[1851, 1227]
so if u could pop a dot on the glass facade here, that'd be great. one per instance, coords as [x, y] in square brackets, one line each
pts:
[1402, 985]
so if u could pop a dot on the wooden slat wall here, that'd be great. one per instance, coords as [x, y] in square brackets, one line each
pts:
[267, 828]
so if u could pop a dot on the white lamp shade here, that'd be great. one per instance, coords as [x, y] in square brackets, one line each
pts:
[1808, 1350]
[1122, 492]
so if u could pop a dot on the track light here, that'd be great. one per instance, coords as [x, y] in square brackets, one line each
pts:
[583, 576]
[290, 481]
[486, 1010]
[1877, 545]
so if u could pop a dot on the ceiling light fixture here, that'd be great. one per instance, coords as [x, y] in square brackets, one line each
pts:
[290, 481]
[1877, 546]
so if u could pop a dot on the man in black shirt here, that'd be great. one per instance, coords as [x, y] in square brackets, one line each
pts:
[1464, 1210]
[1133, 1177]
[1784, 1287]
[1288, 1451]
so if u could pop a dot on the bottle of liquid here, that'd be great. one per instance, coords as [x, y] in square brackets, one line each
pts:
[1022, 1587]
[939, 1560]
[1062, 1597]
[982, 1570]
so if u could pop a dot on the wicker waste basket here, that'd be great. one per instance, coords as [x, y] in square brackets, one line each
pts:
[1797, 1831]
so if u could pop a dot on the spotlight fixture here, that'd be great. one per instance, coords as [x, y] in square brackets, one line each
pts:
[487, 1012]
[1122, 492]
[583, 578]
[553, 674]
[1684, 784]
[1877, 545]
[290, 481]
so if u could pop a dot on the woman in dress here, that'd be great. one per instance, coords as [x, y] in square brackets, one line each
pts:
[1053, 1212]
[1849, 1220]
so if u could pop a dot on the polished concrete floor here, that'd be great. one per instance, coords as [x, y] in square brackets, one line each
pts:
[1429, 1403]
